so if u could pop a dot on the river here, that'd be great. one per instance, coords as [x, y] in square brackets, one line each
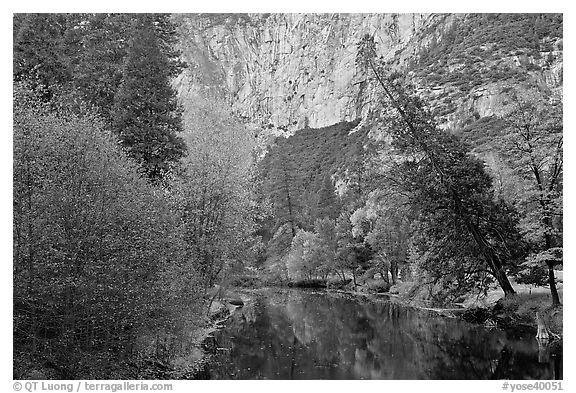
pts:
[299, 334]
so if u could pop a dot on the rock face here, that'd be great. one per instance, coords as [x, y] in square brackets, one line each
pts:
[290, 71]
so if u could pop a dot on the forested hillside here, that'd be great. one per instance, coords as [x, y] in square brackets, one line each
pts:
[313, 163]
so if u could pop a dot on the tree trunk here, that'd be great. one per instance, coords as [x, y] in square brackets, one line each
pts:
[394, 271]
[492, 259]
[552, 283]
[500, 274]
[384, 275]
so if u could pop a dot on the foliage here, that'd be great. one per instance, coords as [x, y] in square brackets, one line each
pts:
[146, 115]
[300, 175]
[277, 249]
[94, 244]
[98, 70]
[311, 161]
[39, 52]
[384, 223]
[103, 257]
[284, 195]
[450, 190]
[215, 190]
[349, 248]
[329, 249]
[84, 52]
[476, 38]
[532, 147]
[325, 229]
[534, 269]
[302, 261]
[313, 254]
[473, 50]
[75, 61]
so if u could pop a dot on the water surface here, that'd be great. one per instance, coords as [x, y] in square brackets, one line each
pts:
[298, 334]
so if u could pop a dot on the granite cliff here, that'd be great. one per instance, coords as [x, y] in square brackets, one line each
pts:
[291, 71]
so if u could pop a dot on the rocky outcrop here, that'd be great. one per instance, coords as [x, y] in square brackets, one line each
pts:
[290, 71]
[287, 70]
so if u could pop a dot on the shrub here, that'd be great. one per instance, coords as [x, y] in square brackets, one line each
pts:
[96, 248]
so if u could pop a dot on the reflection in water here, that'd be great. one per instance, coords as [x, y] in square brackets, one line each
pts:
[296, 334]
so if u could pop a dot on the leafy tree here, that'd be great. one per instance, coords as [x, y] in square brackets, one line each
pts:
[302, 261]
[325, 229]
[450, 189]
[94, 243]
[313, 254]
[146, 115]
[384, 223]
[352, 253]
[215, 190]
[532, 146]
[277, 249]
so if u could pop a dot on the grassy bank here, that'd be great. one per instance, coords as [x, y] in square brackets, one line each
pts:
[493, 309]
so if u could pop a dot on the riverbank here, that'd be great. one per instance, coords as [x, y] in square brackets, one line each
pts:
[490, 309]
[157, 352]
[220, 311]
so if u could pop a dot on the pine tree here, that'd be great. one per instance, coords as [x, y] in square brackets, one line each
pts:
[283, 192]
[98, 72]
[38, 52]
[104, 39]
[146, 115]
[327, 200]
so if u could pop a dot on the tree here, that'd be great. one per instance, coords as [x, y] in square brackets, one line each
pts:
[146, 115]
[277, 249]
[104, 39]
[532, 146]
[94, 242]
[359, 172]
[302, 261]
[98, 70]
[384, 223]
[283, 193]
[215, 190]
[325, 229]
[39, 52]
[328, 204]
[450, 188]
[351, 251]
